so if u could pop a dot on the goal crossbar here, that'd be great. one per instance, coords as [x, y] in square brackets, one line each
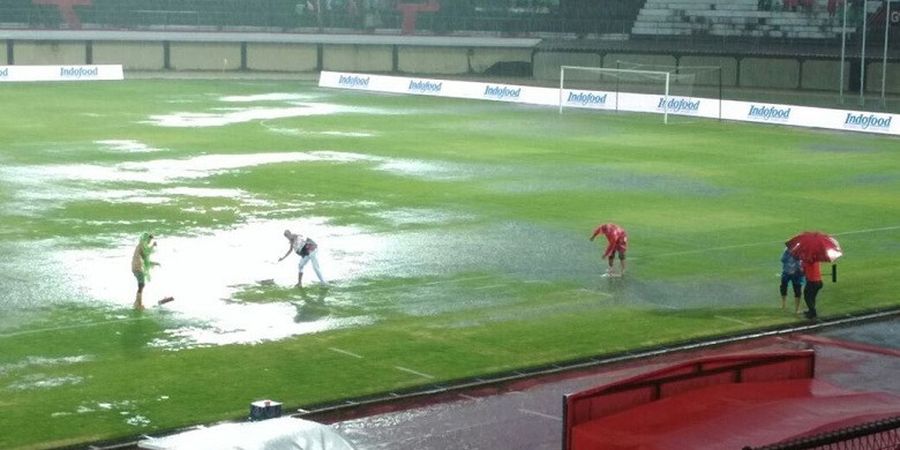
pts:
[663, 74]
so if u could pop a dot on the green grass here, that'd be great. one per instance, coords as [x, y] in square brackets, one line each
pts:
[467, 222]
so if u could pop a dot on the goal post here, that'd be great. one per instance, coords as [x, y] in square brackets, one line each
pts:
[704, 81]
[658, 89]
[614, 81]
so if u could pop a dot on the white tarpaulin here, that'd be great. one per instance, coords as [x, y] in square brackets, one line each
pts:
[284, 433]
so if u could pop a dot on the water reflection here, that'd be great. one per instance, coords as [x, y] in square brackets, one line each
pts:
[311, 306]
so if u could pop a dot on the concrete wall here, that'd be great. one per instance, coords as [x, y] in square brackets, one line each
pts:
[892, 78]
[49, 52]
[629, 60]
[547, 64]
[823, 75]
[770, 73]
[282, 57]
[711, 78]
[131, 55]
[410, 58]
[483, 59]
[358, 58]
[205, 56]
[433, 60]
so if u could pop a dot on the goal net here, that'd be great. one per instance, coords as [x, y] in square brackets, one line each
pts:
[637, 88]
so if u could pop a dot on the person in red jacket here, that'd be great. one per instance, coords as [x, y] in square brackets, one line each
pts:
[617, 243]
[813, 283]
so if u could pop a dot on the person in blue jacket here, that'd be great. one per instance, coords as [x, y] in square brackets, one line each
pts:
[791, 272]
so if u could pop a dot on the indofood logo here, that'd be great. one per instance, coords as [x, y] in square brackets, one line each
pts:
[675, 105]
[501, 92]
[78, 72]
[353, 81]
[769, 113]
[586, 98]
[866, 121]
[426, 87]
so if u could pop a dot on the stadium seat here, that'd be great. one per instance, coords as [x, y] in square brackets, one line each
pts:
[732, 18]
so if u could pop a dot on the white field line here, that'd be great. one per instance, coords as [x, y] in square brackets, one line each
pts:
[467, 397]
[345, 352]
[423, 375]
[70, 327]
[539, 414]
[754, 244]
[869, 230]
[732, 319]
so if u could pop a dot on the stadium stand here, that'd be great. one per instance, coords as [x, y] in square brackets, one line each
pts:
[734, 18]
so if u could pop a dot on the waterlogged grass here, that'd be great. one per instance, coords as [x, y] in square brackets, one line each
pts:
[454, 234]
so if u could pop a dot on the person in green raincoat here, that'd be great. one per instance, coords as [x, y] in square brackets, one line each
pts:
[140, 266]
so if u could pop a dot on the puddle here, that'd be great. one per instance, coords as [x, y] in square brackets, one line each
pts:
[296, 105]
[191, 120]
[298, 132]
[413, 216]
[164, 170]
[40, 361]
[612, 179]
[40, 381]
[37, 186]
[270, 97]
[127, 146]
[203, 272]
[425, 169]
[138, 421]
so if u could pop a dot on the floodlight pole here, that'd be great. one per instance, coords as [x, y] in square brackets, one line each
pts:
[843, 51]
[862, 58]
[884, 61]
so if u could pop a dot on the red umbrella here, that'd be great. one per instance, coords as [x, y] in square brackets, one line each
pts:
[813, 246]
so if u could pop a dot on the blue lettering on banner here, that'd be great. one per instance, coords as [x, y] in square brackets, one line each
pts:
[78, 72]
[4, 72]
[501, 92]
[676, 105]
[586, 98]
[353, 81]
[769, 113]
[866, 121]
[425, 87]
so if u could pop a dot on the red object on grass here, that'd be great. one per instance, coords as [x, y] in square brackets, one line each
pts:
[814, 246]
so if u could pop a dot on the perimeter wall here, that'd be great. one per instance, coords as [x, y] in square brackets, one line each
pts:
[200, 51]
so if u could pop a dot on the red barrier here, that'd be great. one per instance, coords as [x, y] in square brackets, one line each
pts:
[605, 400]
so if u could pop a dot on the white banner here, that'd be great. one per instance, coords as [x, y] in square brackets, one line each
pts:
[62, 73]
[800, 116]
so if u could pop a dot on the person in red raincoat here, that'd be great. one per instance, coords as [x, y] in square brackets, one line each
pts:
[813, 274]
[617, 243]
